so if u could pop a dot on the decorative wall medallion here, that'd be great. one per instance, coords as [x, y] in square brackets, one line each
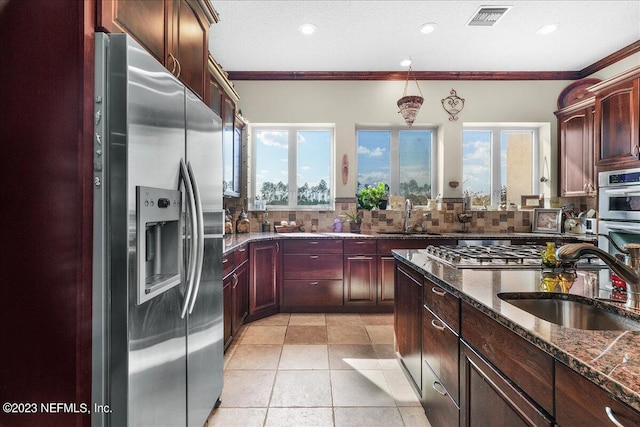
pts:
[453, 104]
[345, 169]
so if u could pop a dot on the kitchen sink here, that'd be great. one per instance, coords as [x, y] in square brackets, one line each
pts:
[573, 311]
[409, 233]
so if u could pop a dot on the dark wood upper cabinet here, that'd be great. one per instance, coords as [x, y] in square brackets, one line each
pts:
[617, 131]
[145, 21]
[189, 44]
[175, 32]
[576, 150]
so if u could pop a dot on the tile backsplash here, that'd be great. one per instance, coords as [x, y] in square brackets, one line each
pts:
[440, 220]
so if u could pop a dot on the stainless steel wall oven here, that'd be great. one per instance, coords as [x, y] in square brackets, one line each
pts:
[619, 216]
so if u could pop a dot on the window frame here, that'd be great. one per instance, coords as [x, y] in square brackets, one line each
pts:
[292, 164]
[394, 152]
[496, 141]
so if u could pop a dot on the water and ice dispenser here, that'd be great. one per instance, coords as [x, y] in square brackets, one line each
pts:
[159, 247]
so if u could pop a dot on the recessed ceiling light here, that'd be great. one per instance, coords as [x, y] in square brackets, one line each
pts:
[427, 28]
[406, 62]
[307, 29]
[548, 29]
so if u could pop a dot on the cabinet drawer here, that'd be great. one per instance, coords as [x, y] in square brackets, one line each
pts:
[241, 255]
[228, 263]
[580, 402]
[322, 266]
[526, 365]
[313, 246]
[364, 246]
[440, 351]
[444, 304]
[313, 292]
[440, 408]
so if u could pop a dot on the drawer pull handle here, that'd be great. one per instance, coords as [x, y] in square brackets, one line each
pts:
[439, 388]
[314, 283]
[313, 256]
[437, 325]
[313, 243]
[225, 260]
[438, 291]
[360, 242]
[612, 417]
[242, 250]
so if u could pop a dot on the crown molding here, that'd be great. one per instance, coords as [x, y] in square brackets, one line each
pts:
[439, 75]
[402, 75]
[611, 59]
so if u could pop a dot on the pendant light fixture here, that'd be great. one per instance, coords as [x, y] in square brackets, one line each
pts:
[409, 105]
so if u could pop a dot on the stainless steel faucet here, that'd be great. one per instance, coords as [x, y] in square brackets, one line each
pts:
[629, 273]
[408, 206]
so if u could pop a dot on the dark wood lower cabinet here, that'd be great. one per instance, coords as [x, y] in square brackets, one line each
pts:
[408, 323]
[240, 296]
[488, 398]
[440, 408]
[519, 360]
[579, 402]
[386, 267]
[312, 293]
[440, 353]
[360, 279]
[227, 285]
[264, 278]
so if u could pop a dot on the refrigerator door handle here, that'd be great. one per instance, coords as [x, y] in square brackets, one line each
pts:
[199, 238]
[184, 176]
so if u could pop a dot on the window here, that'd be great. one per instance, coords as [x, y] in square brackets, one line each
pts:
[499, 165]
[403, 159]
[293, 166]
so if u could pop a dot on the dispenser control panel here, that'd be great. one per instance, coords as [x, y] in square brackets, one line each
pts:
[159, 242]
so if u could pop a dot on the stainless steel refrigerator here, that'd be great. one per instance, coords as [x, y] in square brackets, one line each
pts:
[158, 226]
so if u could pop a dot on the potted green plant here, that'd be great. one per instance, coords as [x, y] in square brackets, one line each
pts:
[371, 197]
[354, 218]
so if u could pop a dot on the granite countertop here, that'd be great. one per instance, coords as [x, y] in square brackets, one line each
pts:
[234, 241]
[611, 359]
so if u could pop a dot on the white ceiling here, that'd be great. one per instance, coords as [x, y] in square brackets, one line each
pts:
[360, 35]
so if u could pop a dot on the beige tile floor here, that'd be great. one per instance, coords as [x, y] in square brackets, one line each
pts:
[316, 370]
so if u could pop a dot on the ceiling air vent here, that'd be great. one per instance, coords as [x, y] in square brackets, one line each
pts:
[487, 16]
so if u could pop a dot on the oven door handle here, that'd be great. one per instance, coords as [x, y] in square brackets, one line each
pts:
[622, 192]
[634, 229]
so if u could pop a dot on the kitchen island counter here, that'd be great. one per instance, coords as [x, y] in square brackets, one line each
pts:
[610, 359]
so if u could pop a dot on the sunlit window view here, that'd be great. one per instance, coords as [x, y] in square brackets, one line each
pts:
[293, 158]
[374, 148]
[498, 165]
[399, 158]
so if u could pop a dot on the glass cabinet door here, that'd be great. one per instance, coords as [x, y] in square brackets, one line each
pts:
[231, 152]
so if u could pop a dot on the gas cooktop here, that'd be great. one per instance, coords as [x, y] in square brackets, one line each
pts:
[495, 256]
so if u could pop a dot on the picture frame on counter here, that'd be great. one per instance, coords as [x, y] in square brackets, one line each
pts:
[531, 202]
[547, 220]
